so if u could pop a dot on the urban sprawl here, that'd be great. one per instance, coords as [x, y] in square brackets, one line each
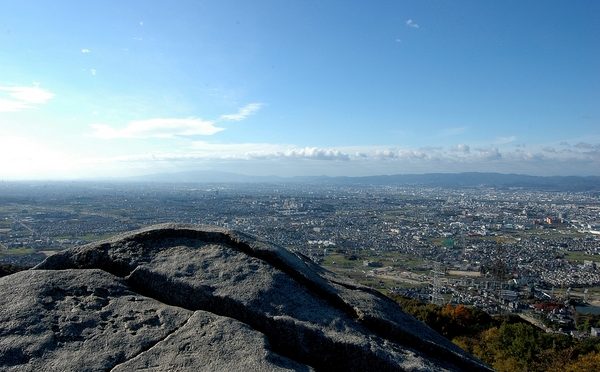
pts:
[533, 253]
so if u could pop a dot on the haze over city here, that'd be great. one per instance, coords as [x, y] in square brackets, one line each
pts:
[298, 88]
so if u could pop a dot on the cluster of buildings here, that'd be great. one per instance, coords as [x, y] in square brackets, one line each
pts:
[539, 239]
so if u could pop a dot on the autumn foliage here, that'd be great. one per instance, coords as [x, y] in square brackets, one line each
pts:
[507, 343]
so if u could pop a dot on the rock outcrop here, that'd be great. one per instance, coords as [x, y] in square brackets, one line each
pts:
[183, 297]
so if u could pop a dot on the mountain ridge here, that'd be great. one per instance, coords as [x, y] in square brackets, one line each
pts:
[464, 179]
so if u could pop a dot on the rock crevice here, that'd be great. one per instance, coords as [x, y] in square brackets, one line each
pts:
[288, 337]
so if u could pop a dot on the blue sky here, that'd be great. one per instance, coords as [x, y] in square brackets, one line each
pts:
[116, 88]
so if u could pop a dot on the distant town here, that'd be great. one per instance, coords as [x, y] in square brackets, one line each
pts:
[505, 250]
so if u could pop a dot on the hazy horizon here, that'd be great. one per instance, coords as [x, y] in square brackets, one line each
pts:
[299, 88]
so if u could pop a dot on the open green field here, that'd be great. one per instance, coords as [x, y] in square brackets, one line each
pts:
[500, 239]
[593, 294]
[396, 260]
[17, 251]
[354, 269]
[339, 260]
[444, 242]
[550, 234]
[579, 257]
[382, 284]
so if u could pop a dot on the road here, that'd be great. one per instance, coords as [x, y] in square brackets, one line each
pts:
[32, 231]
[534, 321]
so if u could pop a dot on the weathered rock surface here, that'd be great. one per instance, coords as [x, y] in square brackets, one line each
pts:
[183, 297]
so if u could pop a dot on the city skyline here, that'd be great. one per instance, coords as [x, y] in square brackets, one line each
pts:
[298, 88]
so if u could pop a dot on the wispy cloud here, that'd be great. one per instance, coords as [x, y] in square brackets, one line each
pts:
[401, 154]
[266, 151]
[505, 140]
[536, 159]
[86, 50]
[455, 131]
[243, 112]
[19, 98]
[313, 153]
[9, 105]
[202, 150]
[491, 153]
[271, 158]
[243, 150]
[412, 24]
[171, 127]
[93, 71]
[587, 146]
[158, 128]
[463, 148]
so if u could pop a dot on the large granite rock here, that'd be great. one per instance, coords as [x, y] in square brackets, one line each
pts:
[183, 297]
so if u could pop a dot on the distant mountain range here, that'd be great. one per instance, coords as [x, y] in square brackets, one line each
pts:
[468, 180]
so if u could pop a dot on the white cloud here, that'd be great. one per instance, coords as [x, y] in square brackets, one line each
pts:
[313, 153]
[459, 155]
[85, 50]
[288, 159]
[158, 128]
[491, 153]
[9, 105]
[171, 127]
[462, 148]
[243, 112]
[30, 95]
[550, 149]
[266, 151]
[453, 131]
[93, 71]
[202, 150]
[586, 146]
[505, 140]
[411, 23]
[397, 154]
[22, 97]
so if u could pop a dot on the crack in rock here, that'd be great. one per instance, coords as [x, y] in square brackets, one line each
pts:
[152, 345]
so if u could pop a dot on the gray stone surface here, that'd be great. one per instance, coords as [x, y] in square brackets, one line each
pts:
[211, 343]
[233, 303]
[77, 320]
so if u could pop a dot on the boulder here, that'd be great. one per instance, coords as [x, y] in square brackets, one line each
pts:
[186, 297]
